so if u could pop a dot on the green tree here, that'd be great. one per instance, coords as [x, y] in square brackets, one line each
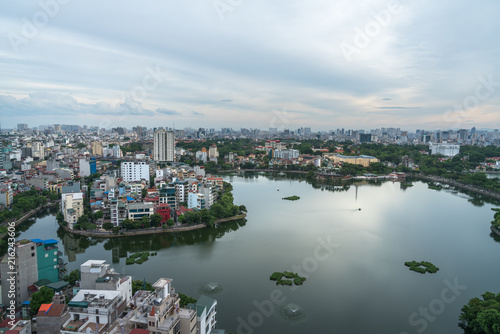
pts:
[60, 217]
[108, 226]
[72, 277]
[141, 285]
[185, 300]
[170, 222]
[43, 296]
[98, 215]
[145, 221]
[482, 316]
[156, 220]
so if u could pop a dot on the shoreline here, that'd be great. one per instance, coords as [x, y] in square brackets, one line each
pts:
[28, 215]
[149, 231]
[495, 230]
[454, 183]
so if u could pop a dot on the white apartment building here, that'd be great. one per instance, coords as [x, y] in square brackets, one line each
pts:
[134, 171]
[196, 200]
[449, 150]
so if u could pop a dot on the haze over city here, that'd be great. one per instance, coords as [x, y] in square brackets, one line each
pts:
[321, 64]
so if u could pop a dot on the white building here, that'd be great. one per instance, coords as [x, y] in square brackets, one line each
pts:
[93, 311]
[134, 171]
[163, 146]
[208, 193]
[196, 200]
[38, 150]
[138, 210]
[206, 313]
[201, 156]
[84, 168]
[97, 275]
[449, 150]
[199, 171]
[286, 154]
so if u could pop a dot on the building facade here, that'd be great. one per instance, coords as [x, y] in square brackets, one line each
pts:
[134, 171]
[163, 146]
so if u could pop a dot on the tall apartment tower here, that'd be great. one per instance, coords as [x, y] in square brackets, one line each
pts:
[164, 146]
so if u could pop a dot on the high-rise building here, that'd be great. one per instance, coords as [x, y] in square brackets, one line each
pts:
[164, 146]
[38, 150]
[22, 127]
[97, 148]
[26, 269]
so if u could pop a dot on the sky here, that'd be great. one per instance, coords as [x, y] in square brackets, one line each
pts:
[413, 64]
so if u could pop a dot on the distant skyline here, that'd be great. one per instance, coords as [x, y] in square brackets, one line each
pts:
[254, 64]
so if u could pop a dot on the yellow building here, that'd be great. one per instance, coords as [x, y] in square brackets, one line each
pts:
[364, 160]
[97, 148]
[72, 207]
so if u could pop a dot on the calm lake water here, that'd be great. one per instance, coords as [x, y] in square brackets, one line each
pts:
[358, 285]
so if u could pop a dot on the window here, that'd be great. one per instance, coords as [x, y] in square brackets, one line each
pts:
[32, 254]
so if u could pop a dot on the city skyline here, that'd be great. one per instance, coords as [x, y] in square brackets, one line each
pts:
[222, 64]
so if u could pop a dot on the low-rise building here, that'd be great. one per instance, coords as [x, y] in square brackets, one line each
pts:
[159, 311]
[364, 160]
[93, 311]
[51, 317]
[138, 210]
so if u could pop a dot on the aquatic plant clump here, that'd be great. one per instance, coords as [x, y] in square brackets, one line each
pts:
[291, 198]
[287, 278]
[137, 258]
[422, 267]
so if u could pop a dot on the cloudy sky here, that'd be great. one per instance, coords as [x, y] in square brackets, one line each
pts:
[251, 63]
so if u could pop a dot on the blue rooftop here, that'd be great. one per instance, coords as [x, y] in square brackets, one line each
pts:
[45, 242]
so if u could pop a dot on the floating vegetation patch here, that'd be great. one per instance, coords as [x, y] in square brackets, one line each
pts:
[287, 278]
[138, 258]
[422, 267]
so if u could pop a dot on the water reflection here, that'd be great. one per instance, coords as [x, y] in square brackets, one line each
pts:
[120, 247]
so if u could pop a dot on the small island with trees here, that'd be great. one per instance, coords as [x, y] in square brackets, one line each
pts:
[422, 267]
[287, 278]
[292, 198]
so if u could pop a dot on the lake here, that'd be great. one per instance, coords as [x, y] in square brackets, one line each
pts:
[353, 259]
